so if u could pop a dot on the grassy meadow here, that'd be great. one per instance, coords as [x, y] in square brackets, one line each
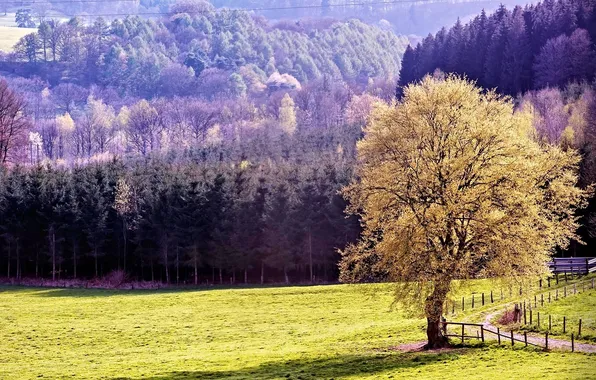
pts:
[10, 35]
[319, 332]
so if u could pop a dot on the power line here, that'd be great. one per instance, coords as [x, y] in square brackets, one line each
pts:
[295, 7]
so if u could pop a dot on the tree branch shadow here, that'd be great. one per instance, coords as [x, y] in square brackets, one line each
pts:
[325, 368]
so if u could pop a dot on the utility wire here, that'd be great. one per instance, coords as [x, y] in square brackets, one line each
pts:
[294, 7]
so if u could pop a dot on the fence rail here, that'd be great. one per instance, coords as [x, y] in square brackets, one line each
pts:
[583, 265]
[481, 334]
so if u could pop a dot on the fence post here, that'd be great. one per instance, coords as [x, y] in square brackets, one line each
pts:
[482, 333]
[520, 290]
[557, 278]
[540, 283]
[587, 266]
[592, 283]
[574, 289]
[564, 324]
[541, 299]
[512, 341]
[462, 334]
[472, 300]
[550, 323]
[572, 343]
[482, 299]
[579, 329]
[557, 295]
[453, 308]
[530, 316]
[538, 319]
[548, 297]
[525, 317]
[526, 338]
[546, 341]
[564, 291]
[499, 335]
[548, 280]
[535, 301]
[491, 297]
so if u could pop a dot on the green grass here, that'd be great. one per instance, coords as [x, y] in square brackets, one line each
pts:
[9, 36]
[341, 332]
[574, 307]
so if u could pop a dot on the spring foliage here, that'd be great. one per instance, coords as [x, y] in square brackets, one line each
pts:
[453, 185]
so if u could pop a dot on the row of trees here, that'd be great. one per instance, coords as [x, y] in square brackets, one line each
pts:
[187, 219]
[71, 123]
[548, 44]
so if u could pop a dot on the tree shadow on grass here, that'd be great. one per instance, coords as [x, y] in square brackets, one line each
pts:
[326, 368]
[98, 292]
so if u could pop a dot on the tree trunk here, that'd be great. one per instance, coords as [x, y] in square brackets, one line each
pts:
[434, 313]
[36, 262]
[196, 271]
[152, 275]
[53, 249]
[310, 254]
[177, 268]
[95, 256]
[124, 248]
[245, 276]
[220, 277]
[287, 279]
[18, 260]
[9, 249]
[262, 273]
[74, 259]
[165, 260]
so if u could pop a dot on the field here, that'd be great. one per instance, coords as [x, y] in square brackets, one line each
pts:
[10, 35]
[321, 332]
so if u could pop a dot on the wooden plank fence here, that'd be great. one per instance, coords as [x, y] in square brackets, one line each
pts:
[573, 265]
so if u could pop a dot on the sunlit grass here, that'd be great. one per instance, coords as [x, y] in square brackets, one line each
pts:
[317, 332]
[10, 35]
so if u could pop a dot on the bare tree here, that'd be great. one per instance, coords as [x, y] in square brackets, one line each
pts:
[13, 123]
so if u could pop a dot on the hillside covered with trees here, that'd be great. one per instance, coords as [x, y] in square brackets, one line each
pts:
[195, 48]
[211, 146]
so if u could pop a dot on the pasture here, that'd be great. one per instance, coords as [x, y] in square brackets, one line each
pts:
[318, 332]
[10, 35]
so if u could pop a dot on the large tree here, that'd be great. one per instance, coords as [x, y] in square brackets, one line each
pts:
[452, 185]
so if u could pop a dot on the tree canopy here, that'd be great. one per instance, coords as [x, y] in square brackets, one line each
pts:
[453, 185]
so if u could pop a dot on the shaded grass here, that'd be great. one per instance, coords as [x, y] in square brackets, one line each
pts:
[337, 331]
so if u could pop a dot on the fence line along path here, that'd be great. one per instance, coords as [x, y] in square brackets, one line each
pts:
[541, 341]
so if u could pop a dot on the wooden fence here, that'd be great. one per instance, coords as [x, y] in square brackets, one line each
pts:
[482, 331]
[573, 265]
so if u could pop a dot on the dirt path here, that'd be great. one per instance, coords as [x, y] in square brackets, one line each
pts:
[552, 342]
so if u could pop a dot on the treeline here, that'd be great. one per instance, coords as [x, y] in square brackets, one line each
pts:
[548, 44]
[214, 215]
[72, 124]
[196, 50]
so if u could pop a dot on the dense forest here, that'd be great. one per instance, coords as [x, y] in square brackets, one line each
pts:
[196, 49]
[402, 17]
[211, 146]
[545, 45]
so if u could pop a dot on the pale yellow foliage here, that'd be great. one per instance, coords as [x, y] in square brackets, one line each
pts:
[287, 114]
[65, 124]
[452, 185]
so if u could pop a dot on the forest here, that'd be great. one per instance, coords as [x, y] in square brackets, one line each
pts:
[402, 17]
[211, 146]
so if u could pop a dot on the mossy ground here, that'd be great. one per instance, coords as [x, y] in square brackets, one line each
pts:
[319, 332]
